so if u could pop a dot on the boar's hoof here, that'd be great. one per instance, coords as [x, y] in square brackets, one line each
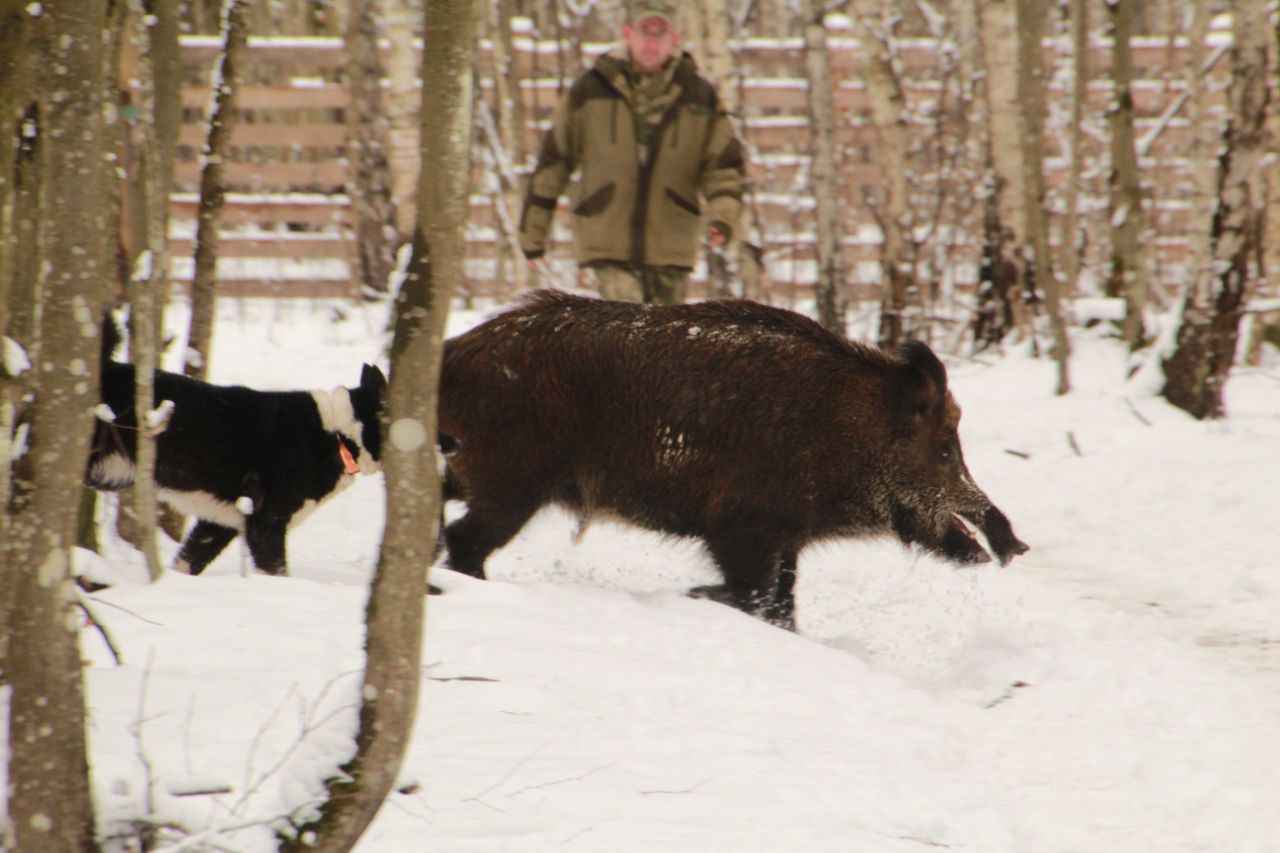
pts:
[432, 589]
[756, 605]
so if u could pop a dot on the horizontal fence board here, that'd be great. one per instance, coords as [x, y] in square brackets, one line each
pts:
[299, 136]
[236, 246]
[270, 177]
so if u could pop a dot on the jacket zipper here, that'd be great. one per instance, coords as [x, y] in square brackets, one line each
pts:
[646, 186]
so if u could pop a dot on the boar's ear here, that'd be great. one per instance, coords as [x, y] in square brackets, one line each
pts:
[925, 386]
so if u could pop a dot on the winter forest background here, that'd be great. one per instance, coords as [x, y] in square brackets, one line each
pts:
[1082, 196]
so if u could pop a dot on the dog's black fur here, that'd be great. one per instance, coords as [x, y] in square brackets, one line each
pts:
[280, 449]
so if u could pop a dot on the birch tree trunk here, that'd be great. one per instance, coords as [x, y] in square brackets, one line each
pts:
[505, 132]
[1197, 369]
[402, 102]
[373, 215]
[1271, 240]
[394, 617]
[1001, 293]
[889, 116]
[50, 807]
[1072, 242]
[1126, 277]
[225, 81]
[830, 290]
[1205, 136]
[1031, 88]
[709, 42]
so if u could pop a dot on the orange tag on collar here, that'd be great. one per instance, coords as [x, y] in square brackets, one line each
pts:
[348, 461]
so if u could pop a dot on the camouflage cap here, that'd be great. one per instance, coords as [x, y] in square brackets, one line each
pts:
[641, 10]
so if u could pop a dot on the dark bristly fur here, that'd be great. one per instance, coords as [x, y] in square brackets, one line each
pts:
[749, 427]
[280, 449]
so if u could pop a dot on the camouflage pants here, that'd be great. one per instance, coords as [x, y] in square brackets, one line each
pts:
[655, 285]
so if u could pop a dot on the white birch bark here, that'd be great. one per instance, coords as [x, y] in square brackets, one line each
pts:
[1127, 276]
[830, 288]
[891, 211]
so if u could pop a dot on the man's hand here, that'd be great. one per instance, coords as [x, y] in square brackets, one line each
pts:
[716, 236]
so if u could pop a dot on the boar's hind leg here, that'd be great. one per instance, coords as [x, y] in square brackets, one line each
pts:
[484, 529]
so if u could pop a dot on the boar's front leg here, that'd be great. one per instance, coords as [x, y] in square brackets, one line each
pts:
[753, 574]
[782, 610]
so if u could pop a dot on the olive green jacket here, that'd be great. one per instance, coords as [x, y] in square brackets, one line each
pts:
[629, 209]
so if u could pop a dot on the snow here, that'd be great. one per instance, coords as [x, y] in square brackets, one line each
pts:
[15, 360]
[1117, 688]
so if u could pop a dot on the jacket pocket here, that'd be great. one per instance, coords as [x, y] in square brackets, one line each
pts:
[597, 201]
[683, 203]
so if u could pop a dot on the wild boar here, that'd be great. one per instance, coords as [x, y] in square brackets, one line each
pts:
[749, 427]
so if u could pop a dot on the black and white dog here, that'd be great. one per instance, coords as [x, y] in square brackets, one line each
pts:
[237, 459]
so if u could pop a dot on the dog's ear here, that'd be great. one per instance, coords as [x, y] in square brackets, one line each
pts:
[373, 382]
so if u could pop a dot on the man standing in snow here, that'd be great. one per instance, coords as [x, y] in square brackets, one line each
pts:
[650, 137]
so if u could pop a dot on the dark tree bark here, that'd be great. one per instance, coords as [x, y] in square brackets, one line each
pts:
[1211, 308]
[50, 807]
[17, 162]
[226, 82]
[395, 615]
[154, 31]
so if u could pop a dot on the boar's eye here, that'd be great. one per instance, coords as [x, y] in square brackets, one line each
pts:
[948, 448]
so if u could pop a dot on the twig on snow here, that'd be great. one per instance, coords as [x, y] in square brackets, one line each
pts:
[101, 629]
[1071, 440]
[1135, 411]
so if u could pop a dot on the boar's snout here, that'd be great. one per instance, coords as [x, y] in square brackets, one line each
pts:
[960, 546]
[1000, 536]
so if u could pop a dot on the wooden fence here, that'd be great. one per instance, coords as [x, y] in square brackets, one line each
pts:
[286, 227]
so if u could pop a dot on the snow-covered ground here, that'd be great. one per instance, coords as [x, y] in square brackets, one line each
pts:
[1115, 689]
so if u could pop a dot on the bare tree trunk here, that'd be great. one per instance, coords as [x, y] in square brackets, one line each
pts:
[889, 116]
[1031, 88]
[1072, 244]
[1197, 369]
[394, 618]
[373, 216]
[830, 291]
[146, 293]
[225, 84]
[1126, 277]
[50, 806]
